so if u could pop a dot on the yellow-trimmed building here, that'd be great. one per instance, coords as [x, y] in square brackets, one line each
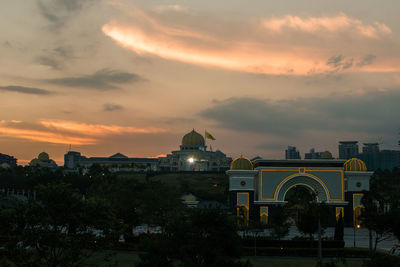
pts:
[259, 187]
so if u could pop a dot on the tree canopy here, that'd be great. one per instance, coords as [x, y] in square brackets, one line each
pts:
[59, 228]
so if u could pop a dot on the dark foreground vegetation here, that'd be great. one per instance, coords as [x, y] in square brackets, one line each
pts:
[84, 220]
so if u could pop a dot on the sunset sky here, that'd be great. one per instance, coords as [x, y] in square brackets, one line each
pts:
[134, 76]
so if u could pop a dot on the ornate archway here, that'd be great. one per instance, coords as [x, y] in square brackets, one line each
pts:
[304, 180]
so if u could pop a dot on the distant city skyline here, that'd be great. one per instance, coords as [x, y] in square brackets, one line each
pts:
[133, 77]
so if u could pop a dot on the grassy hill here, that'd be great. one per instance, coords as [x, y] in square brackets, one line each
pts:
[206, 186]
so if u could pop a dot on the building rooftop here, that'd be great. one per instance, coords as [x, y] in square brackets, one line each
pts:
[298, 162]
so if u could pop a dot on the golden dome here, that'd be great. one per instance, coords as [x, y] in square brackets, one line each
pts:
[241, 164]
[34, 162]
[193, 139]
[355, 165]
[43, 156]
[326, 155]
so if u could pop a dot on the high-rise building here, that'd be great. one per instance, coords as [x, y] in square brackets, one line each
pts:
[312, 154]
[348, 149]
[370, 148]
[318, 155]
[292, 153]
[376, 159]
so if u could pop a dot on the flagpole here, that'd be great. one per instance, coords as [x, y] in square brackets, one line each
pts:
[205, 139]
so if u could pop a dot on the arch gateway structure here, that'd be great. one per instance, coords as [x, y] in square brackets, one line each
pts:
[259, 187]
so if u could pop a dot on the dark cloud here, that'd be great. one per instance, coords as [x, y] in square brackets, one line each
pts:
[25, 90]
[340, 62]
[348, 64]
[253, 115]
[7, 44]
[46, 13]
[371, 112]
[65, 52]
[101, 80]
[335, 61]
[58, 12]
[49, 61]
[367, 60]
[55, 58]
[112, 107]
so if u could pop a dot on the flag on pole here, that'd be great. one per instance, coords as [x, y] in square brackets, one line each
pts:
[209, 136]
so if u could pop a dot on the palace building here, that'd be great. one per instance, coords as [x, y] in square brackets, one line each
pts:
[260, 187]
[193, 155]
[73, 161]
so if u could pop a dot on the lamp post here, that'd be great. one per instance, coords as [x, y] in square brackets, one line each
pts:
[356, 226]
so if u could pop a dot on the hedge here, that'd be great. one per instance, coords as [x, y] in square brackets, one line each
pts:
[262, 242]
[313, 252]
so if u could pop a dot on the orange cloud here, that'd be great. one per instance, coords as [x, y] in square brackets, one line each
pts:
[248, 57]
[259, 53]
[338, 23]
[44, 136]
[69, 132]
[95, 129]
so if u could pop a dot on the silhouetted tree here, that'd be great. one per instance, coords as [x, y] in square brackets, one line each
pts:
[57, 229]
[278, 223]
[157, 202]
[195, 237]
[309, 217]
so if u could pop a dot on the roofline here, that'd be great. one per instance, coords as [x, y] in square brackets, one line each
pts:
[299, 163]
[302, 160]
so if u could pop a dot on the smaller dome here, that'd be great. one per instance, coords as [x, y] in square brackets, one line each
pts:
[4, 166]
[43, 156]
[193, 139]
[241, 164]
[189, 197]
[326, 155]
[355, 165]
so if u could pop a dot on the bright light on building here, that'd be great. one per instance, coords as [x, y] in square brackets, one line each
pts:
[190, 160]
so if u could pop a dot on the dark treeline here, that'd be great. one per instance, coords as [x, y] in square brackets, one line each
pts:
[70, 217]
[74, 216]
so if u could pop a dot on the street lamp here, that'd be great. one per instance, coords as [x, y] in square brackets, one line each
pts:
[356, 226]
